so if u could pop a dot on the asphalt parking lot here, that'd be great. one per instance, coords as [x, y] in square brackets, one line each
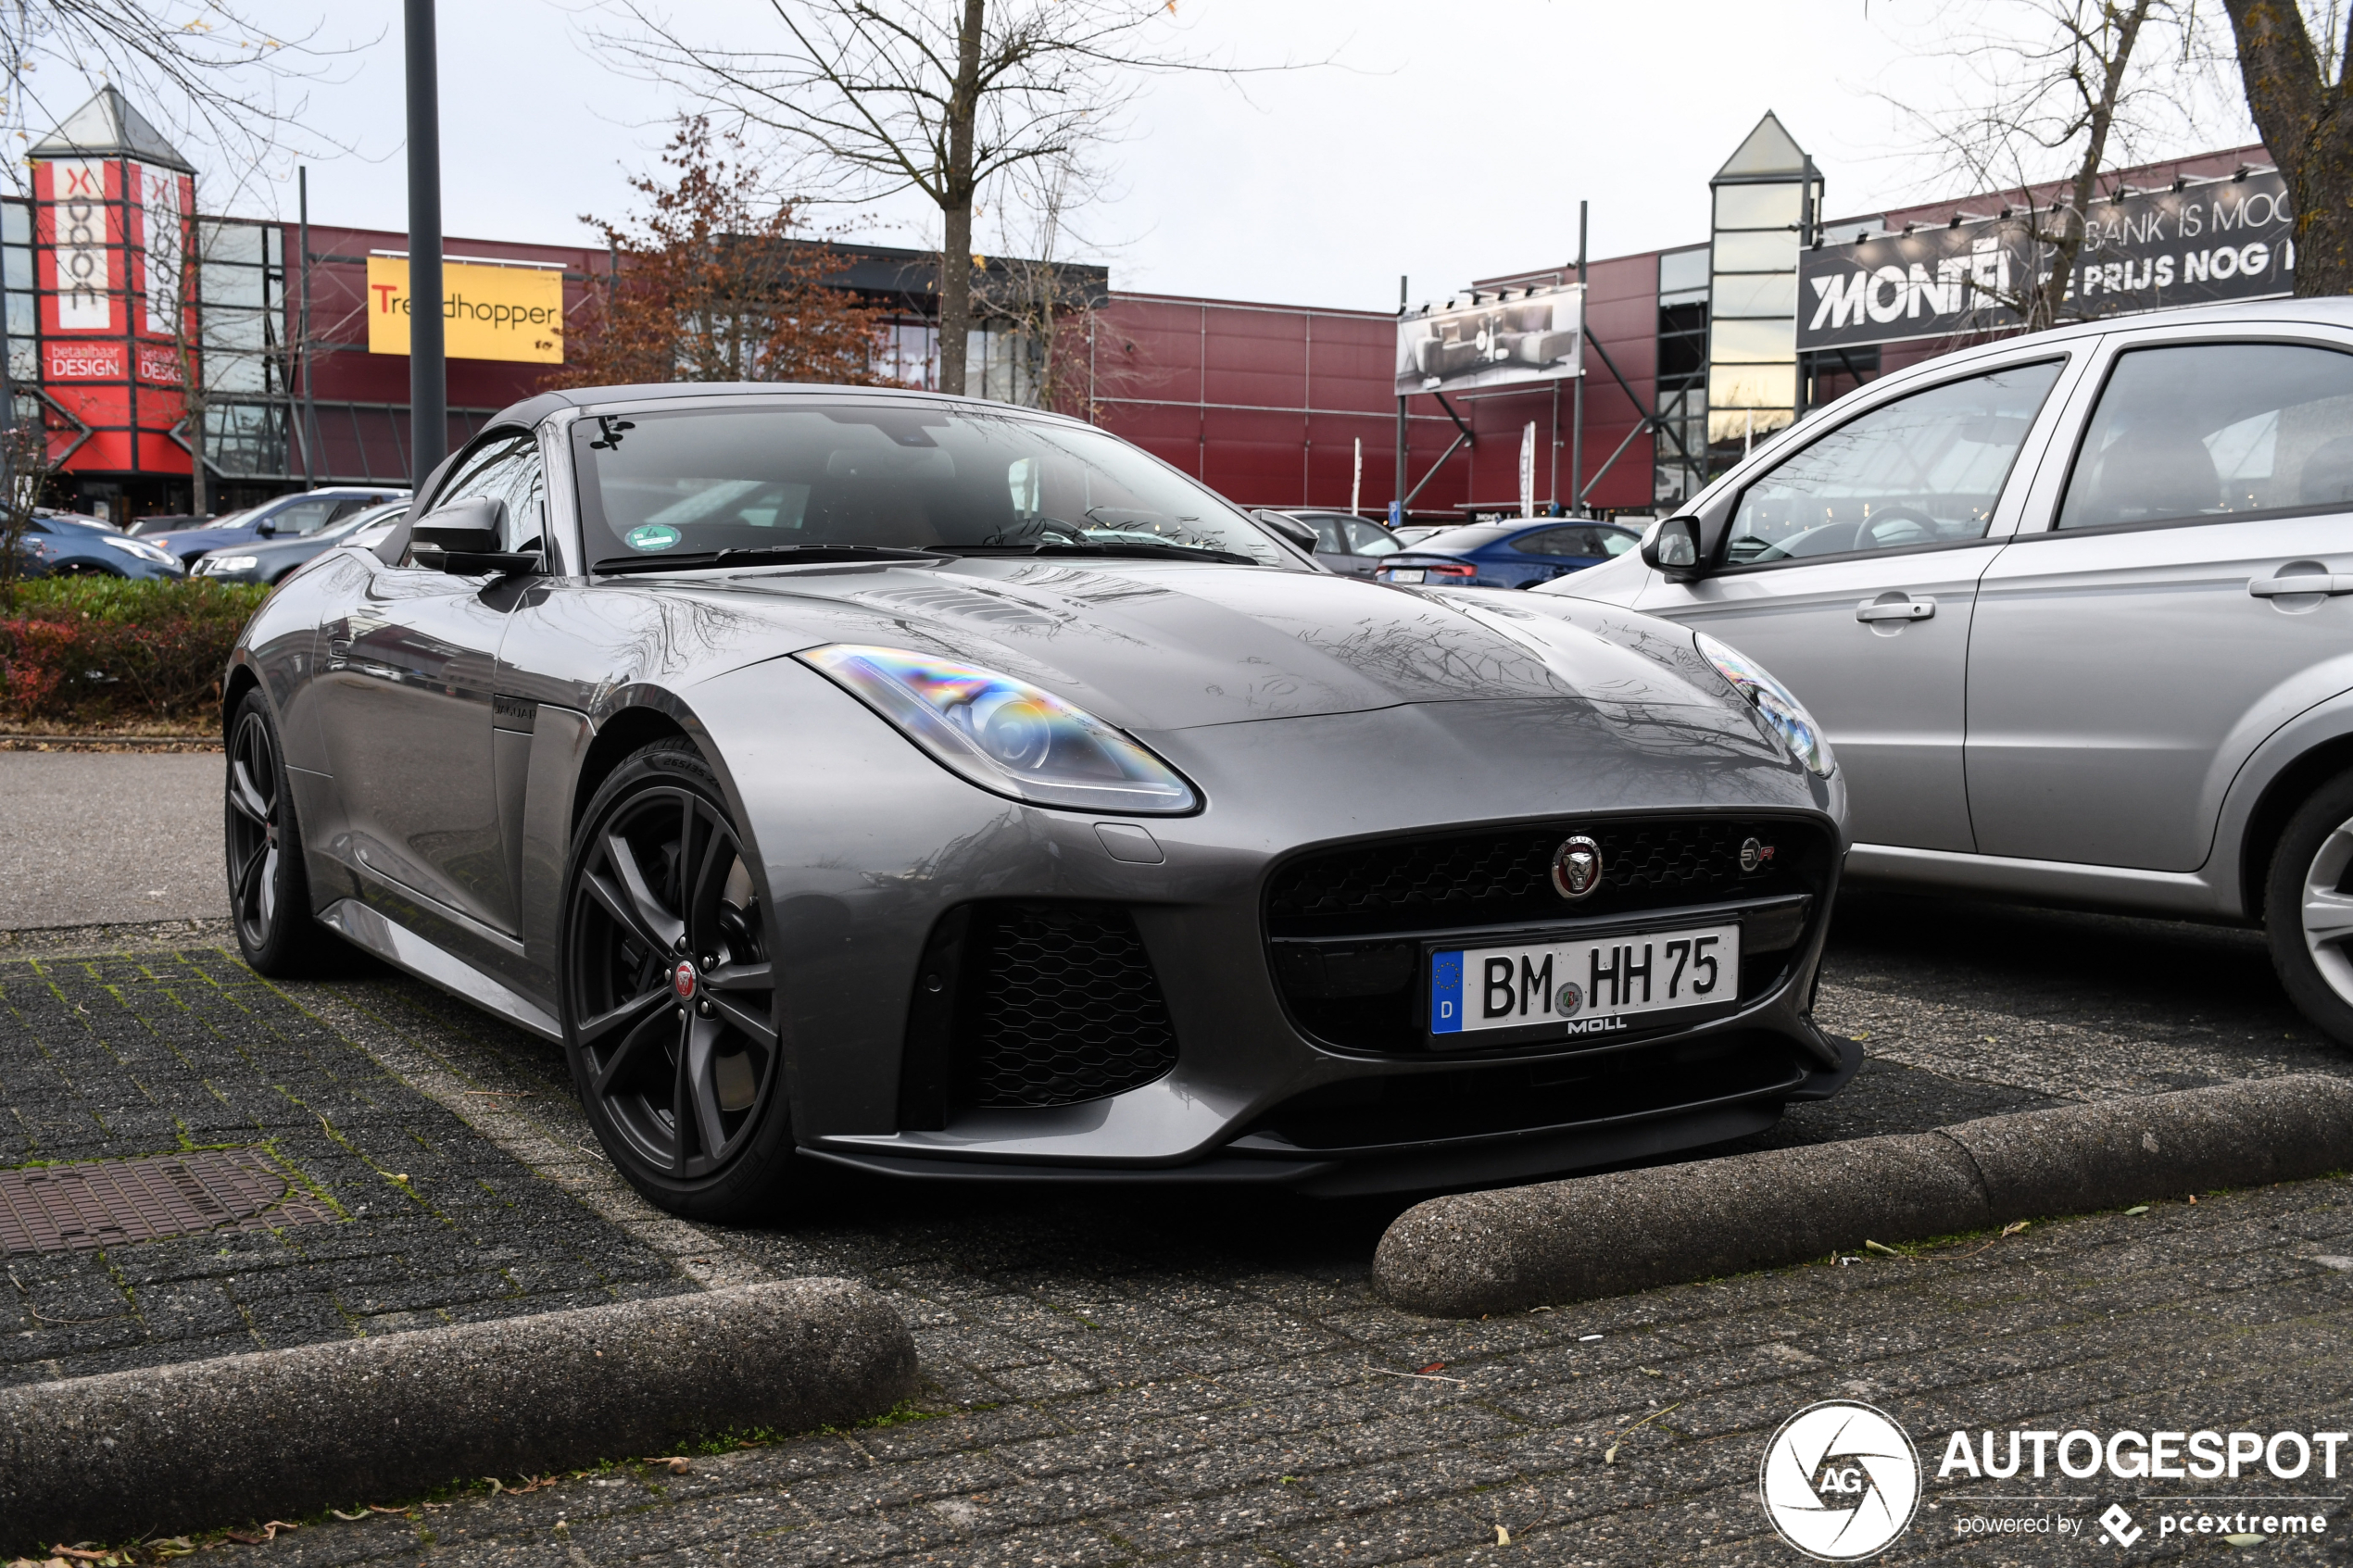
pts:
[1201, 1381]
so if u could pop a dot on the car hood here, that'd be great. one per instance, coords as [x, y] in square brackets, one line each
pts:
[179, 542]
[1158, 646]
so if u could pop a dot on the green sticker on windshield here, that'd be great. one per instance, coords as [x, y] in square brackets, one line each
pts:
[651, 537]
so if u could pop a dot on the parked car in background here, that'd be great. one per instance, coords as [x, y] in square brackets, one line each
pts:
[66, 544]
[1508, 555]
[305, 512]
[1344, 542]
[268, 561]
[2077, 610]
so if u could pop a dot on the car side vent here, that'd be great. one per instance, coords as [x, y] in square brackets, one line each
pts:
[1030, 1004]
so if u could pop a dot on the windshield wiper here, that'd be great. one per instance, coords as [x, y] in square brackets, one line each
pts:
[764, 555]
[1114, 547]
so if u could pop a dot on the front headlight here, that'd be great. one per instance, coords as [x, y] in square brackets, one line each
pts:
[1783, 713]
[220, 566]
[1006, 735]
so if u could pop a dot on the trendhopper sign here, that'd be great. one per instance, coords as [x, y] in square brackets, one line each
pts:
[2206, 244]
[487, 312]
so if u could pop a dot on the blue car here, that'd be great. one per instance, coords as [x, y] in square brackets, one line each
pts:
[1508, 555]
[62, 544]
[286, 517]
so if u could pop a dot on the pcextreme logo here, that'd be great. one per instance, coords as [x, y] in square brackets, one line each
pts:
[1840, 1481]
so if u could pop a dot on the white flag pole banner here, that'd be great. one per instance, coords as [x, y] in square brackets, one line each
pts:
[160, 225]
[78, 206]
[2209, 242]
[1512, 337]
[1356, 479]
[1527, 471]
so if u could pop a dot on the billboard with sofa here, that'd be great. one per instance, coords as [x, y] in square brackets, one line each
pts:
[1491, 340]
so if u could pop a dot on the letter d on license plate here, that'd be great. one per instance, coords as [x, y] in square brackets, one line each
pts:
[1584, 986]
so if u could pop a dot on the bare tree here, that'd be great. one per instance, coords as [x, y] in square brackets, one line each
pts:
[1047, 307]
[2297, 90]
[215, 75]
[940, 97]
[2066, 89]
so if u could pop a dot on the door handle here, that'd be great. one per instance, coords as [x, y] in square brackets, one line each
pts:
[2302, 583]
[1901, 609]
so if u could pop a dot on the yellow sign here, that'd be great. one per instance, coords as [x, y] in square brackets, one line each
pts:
[487, 312]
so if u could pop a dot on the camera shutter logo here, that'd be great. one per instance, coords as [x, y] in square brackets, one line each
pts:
[1840, 1481]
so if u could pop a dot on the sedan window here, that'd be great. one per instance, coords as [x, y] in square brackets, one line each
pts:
[2214, 430]
[1924, 470]
[1368, 539]
[303, 516]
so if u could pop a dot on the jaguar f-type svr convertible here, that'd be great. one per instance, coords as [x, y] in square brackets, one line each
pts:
[948, 789]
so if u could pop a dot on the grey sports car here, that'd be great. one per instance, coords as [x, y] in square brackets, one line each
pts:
[945, 789]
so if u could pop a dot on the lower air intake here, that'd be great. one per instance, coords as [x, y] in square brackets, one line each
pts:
[1067, 1008]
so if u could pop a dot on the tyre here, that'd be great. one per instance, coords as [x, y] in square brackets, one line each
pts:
[668, 1000]
[2308, 908]
[269, 887]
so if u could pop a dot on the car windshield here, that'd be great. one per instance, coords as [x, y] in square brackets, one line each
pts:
[662, 486]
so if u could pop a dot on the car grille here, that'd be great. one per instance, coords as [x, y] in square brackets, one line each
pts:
[1345, 925]
[1063, 1006]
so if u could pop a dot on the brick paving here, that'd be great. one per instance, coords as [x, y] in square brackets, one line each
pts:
[162, 1052]
[1203, 1381]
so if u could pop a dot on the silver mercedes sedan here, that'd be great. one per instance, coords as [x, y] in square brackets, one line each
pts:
[948, 790]
[2076, 610]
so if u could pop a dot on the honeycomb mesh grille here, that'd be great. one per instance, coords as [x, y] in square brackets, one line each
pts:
[1498, 876]
[1068, 1008]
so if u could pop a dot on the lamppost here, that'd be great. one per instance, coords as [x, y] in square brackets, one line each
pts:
[428, 372]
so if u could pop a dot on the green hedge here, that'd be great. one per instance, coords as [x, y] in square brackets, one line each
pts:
[97, 650]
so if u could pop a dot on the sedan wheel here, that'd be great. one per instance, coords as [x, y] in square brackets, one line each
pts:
[2307, 908]
[268, 891]
[669, 995]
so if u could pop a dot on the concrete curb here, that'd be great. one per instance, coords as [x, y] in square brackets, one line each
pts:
[283, 1432]
[1630, 1230]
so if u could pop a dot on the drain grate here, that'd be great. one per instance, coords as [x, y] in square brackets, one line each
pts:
[113, 1202]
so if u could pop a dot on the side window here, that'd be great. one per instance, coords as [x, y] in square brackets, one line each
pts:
[1924, 470]
[505, 471]
[1368, 539]
[1616, 541]
[1558, 542]
[2216, 430]
[303, 516]
[1327, 536]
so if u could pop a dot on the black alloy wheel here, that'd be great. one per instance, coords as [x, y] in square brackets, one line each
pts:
[269, 888]
[669, 995]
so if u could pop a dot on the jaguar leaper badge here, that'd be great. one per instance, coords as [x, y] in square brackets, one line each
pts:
[1576, 866]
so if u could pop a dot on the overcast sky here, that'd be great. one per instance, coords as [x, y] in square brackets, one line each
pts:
[1451, 140]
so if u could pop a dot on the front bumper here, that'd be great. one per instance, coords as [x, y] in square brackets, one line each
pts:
[866, 846]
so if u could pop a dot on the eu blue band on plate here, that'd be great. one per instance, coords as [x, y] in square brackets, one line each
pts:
[1446, 994]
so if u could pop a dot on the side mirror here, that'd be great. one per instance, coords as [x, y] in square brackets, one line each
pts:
[1289, 528]
[463, 538]
[1671, 548]
[265, 528]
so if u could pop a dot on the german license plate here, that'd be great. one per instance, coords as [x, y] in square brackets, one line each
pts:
[1594, 987]
[1406, 574]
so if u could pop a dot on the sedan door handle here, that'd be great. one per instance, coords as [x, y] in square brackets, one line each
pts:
[2302, 583]
[1901, 610]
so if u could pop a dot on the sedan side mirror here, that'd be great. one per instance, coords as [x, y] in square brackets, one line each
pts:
[1290, 528]
[463, 538]
[265, 528]
[1671, 548]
